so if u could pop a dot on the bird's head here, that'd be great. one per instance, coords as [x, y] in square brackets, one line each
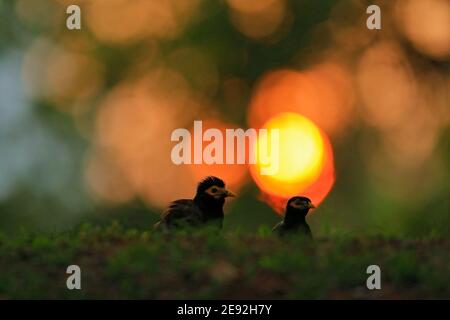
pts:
[214, 189]
[299, 205]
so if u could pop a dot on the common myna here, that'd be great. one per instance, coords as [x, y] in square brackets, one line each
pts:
[294, 221]
[205, 208]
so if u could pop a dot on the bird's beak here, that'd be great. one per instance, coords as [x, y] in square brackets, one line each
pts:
[311, 206]
[228, 193]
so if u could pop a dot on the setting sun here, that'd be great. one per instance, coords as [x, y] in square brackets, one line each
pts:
[305, 160]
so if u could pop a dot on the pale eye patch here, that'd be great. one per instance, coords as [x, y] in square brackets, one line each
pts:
[214, 191]
[299, 204]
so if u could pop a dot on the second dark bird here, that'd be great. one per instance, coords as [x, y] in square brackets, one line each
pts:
[294, 221]
[206, 207]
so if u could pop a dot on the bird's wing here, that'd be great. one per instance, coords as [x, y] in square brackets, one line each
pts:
[278, 227]
[159, 226]
[181, 211]
[308, 232]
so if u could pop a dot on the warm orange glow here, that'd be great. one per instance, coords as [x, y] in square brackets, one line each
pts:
[258, 19]
[433, 16]
[234, 175]
[305, 162]
[134, 125]
[122, 21]
[387, 85]
[249, 5]
[323, 93]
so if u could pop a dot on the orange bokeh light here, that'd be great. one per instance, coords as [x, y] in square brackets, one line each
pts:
[133, 126]
[306, 164]
[433, 36]
[122, 21]
[258, 19]
[323, 93]
[131, 155]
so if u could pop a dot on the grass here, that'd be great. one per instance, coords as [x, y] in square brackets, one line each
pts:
[119, 262]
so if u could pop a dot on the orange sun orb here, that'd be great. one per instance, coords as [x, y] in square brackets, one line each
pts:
[305, 165]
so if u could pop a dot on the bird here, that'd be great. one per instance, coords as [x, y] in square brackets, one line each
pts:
[205, 208]
[294, 221]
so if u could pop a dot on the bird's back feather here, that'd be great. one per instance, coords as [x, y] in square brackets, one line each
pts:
[283, 229]
[278, 226]
[179, 212]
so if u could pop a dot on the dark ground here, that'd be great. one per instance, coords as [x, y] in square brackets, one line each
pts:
[118, 262]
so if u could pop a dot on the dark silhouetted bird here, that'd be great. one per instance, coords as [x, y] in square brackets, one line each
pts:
[205, 208]
[294, 221]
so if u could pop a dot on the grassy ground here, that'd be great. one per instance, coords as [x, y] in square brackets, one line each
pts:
[127, 263]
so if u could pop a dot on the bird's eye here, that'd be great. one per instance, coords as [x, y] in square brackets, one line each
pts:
[214, 190]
